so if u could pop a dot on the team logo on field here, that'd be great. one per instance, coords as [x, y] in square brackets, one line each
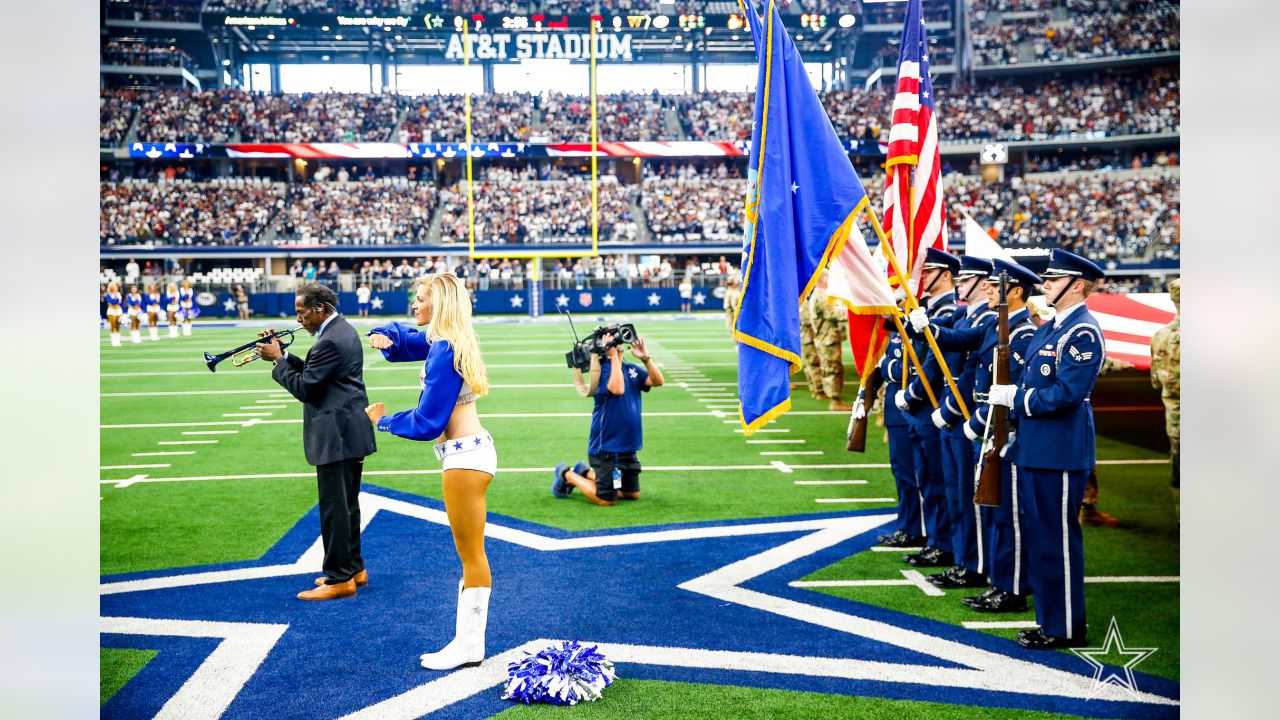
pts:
[584, 299]
[232, 641]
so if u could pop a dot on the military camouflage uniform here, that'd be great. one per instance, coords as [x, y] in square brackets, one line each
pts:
[808, 354]
[1166, 375]
[830, 328]
[732, 299]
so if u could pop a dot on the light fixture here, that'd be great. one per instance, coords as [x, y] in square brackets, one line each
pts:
[337, 37]
[271, 36]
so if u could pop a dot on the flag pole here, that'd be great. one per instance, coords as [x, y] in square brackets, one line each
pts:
[915, 360]
[912, 304]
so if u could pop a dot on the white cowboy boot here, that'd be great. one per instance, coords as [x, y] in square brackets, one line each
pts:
[115, 339]
[186, 328]
[135, 336]
[154, 332]
[467, 646]
[173, 329]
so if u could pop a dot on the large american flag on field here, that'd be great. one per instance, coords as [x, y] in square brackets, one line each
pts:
[913, 142]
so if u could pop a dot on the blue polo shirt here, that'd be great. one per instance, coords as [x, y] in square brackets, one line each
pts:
[615, 419]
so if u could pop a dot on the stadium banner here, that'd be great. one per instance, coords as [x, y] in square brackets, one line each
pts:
[479, 150]
[683, 17]
[487, 302]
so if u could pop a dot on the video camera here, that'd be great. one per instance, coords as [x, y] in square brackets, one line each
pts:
[580, 355]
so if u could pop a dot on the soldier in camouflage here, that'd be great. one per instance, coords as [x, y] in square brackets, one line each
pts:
[808, 354]
[830, 325]
[732, 299]
[1166, 376]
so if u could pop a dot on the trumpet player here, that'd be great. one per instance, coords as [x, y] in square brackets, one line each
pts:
[336, 436]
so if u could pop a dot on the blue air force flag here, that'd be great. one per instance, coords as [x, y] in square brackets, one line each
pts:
[802, 197]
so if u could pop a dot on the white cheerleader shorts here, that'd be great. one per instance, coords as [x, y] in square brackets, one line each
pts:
[471, 452]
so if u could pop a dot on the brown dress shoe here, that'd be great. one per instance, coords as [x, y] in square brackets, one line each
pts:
[837, 405]
[361, 578]
[1093, 517]
[330, 592]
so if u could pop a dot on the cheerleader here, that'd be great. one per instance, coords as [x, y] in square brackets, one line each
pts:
[114, 310]
[152, 303]
[133, 307]
[186, 303]
[172, 308]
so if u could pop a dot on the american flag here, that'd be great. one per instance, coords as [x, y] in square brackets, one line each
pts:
[913, 141]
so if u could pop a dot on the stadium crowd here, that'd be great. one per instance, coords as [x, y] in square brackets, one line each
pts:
[684, 205]
[229, 211]
[141, 51]
[1118, 30]
[1108, 105]
[513, 207]
[362, 212]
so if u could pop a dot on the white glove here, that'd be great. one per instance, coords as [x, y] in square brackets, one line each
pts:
[938, 421]
[859, 410]
[919, 319]
[1002, 395]
[969, 433]
[900, 399]
[1013, 436]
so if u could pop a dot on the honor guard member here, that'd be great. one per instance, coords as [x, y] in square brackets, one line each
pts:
[1166, 360]
[938, 284]
[115, 311]
[1004, 556]
[133, 308]
[732, 299]
[909, 530]
[808, 354]
[153, 302]
[830, 328]
[187, 305]
[1053, 448]
[172, 308]
[958, 453]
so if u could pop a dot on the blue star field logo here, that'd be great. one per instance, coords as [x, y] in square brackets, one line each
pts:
[704, 602]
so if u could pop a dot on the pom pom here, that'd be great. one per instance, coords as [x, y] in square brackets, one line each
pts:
[560, 675]
[193, 313]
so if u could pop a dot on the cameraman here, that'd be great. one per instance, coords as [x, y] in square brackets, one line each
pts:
[616, 433]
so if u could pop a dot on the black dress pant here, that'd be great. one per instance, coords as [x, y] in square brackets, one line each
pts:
[339, 486]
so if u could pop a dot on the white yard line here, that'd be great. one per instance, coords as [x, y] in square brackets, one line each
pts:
[910, 577]
[210, 432]
[1134, 579]
[896, 549]
[999, 624]
[187, 442]
[830, 482]
[247, 414]
[164, 452]
[793, 452]
[775, 442]
[261, 407]
[855, 500]
[134, 467]
[768, 430]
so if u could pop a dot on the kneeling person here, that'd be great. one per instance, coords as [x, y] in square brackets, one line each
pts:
[616, 432]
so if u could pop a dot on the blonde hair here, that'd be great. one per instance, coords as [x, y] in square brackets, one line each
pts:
[451, 321]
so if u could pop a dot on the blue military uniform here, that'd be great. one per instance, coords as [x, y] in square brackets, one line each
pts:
[1052, 454]
[926, 443]
[910, 526]
[958, 452]
[1004, 558]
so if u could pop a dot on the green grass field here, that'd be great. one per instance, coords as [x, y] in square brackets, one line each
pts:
[164, 501]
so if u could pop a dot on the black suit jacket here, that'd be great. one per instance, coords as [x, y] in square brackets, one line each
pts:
[330, 384]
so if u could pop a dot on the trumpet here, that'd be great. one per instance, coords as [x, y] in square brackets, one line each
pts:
[247, 352]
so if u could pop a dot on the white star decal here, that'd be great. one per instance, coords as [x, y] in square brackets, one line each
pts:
[632, 372]
[699, 298]
[924, 94]
[517, 301]
[654, 298]
[376, 302]
[562, 300]
[794, 188]
[1116, 643]
[608, 299]
[229, 305]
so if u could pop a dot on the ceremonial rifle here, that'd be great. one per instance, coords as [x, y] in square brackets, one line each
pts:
[988, 491]
[857, 432]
